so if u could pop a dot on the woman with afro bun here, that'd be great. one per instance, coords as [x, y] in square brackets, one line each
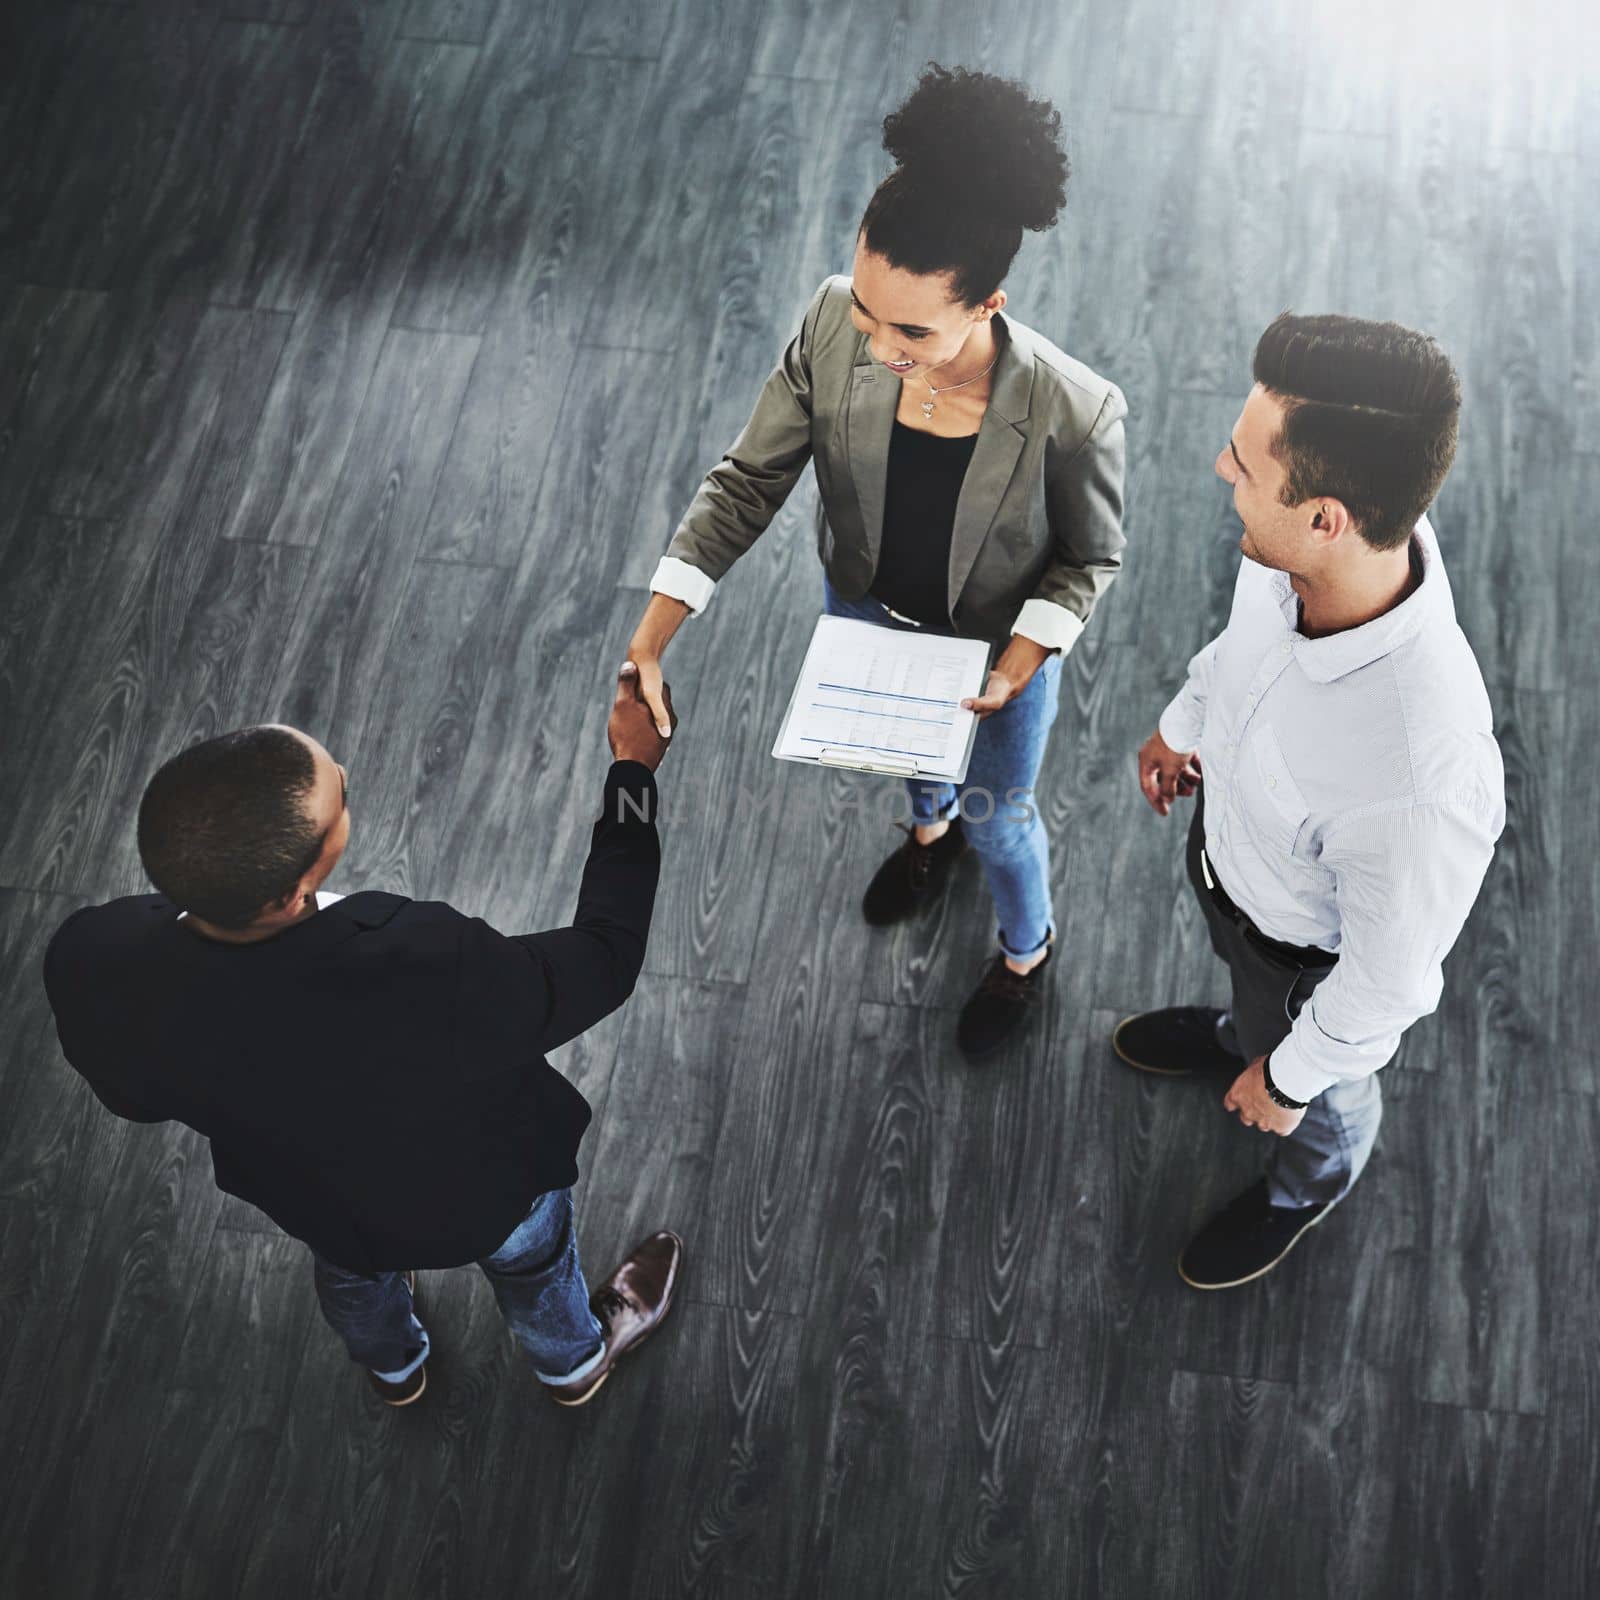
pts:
[970, 479]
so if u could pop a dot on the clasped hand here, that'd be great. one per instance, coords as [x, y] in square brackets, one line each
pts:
[635, 726]
[1255, 1108]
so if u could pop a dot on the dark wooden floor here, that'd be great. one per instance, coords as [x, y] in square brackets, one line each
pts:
[357, 362]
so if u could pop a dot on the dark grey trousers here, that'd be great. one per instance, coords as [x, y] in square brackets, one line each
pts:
[1323, 1156]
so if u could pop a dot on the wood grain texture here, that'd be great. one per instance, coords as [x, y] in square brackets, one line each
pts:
[1584, 225]
[1570, 1264]
[216, 212]
[1225, 1435]
[771, 242]
[356, 363]
[800, 40]
[674, 1059]
[339, 635]
[146, 1262]
[212, 1449]
[48, 339]
[671, 212]
[355, 256]
[627, 30]
[449, 21]
[966, 1524]
[876, 1291]
[113, 84]
[1236, 218]
[26, 928]
[556, 243]
[536, 762]
[1483, 1320]
[219, 677]
[1578, 906]
[42, 1251]
[467, 249]
[127, 421]
[410, 747]
[44, 570]
[1145, 1162]
[764, 1209]
[133, 621]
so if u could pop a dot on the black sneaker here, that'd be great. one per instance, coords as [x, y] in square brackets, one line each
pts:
[1002, 1005]
[1179, 1040]
[910, 880]
[1245, 1240]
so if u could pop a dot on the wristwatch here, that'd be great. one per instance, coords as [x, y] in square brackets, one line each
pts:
[1274, 1093]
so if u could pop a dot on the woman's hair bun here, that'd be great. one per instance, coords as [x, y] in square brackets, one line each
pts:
[983, 141]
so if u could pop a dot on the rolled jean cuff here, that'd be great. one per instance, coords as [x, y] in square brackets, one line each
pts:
[1023, 955]
[401, 1374]
[582, 1370]
[926, 811]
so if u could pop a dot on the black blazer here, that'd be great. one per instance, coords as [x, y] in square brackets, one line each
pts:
[373, 1078]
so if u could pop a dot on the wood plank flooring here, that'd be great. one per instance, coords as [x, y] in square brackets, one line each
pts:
[356, 361]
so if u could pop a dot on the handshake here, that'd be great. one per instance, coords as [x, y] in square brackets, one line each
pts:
[634, 728]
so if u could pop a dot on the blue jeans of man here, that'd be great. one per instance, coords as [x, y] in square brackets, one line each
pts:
[537, 1282]
[997, 802]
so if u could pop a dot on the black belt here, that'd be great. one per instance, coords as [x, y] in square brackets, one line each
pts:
[1299, 955]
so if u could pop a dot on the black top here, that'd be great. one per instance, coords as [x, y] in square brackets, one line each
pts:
[373, 1078]
[919, 516]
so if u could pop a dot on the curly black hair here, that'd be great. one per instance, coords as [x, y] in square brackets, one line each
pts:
[977, 160]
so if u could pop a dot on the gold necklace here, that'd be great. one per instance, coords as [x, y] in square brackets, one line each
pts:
[927, 405]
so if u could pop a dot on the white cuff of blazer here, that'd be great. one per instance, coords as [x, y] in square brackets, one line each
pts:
[1048, 624]
[678, 580]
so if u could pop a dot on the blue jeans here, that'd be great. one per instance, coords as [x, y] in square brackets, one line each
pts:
[536, 1279]
[996, 802]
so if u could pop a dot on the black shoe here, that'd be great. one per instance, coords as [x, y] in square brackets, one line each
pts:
[1002, 1005]
[408, 1389]
[1173, 1042]
[1246, 1239]
[912, 877]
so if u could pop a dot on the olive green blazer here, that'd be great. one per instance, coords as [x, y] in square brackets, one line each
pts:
[1038, 525]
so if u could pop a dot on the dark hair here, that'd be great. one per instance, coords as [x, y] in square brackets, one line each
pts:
[1371, 410]
[223, 830]
[978, 161]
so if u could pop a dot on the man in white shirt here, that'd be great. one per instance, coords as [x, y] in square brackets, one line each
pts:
[1338, 741]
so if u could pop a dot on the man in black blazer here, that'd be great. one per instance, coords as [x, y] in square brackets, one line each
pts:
[369, 1069]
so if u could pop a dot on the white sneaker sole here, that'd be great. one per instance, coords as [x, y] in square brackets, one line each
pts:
[1260, 1272]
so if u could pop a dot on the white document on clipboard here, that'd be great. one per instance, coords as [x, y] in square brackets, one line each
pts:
[884, 700]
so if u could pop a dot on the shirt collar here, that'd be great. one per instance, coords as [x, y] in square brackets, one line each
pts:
[1325, 660]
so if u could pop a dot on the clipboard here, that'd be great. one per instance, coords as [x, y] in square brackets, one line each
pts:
[884, 700]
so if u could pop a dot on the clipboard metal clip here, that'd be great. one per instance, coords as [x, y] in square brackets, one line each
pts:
[905, 769]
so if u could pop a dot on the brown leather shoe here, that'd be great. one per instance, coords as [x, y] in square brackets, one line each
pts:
[630, 1306]
[408, 1389]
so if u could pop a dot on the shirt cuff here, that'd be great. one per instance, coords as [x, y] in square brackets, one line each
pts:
[679, 581]
[1294, 1075]
[1046, 623]
[1181, 727]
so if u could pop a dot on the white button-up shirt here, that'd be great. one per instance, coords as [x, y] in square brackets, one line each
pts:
[1353, 795]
